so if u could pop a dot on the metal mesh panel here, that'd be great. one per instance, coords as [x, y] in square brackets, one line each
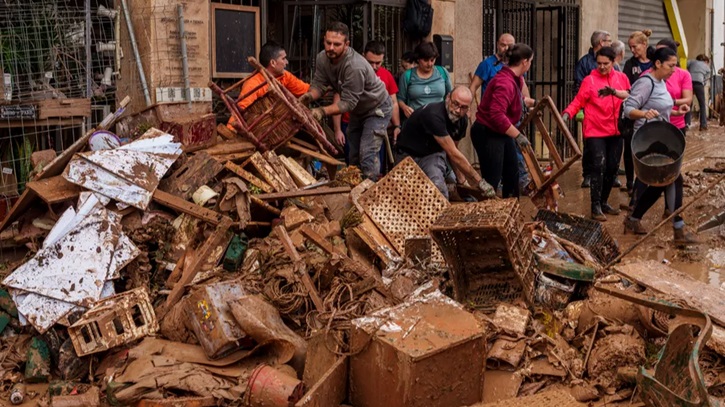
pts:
[585, 232]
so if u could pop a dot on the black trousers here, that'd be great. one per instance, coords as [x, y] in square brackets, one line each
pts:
[605, 154]
[498, 159]
[587, 160]
[651, 194]
[698, 88]
[628, 163]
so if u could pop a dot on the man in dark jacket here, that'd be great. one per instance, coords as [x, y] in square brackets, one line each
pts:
[584, 67]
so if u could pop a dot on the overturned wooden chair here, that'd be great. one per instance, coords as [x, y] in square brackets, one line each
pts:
[541, 191]
[273, 119]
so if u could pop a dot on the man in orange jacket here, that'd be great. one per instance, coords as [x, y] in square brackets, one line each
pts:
[273, 58]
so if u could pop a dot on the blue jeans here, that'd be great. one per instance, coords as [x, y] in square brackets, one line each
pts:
[346, 149]
[365, 137]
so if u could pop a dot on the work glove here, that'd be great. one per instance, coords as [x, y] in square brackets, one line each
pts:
[305, 99]
[522, 141]
[318, 113]
[487, 189]
[606, 91]
[565, 117]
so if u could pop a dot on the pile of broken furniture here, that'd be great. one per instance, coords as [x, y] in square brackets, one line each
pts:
[158, 274]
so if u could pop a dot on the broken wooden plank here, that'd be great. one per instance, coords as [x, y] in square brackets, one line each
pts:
[55, 189]
[187, 207]
[230, 147]
[677, 285]
[267, 172]
[301, 193]
[289, 247]
[305, 144]
[330, 390]
[265, 205]
[300, 175]
[376, 240]
[195, 172]
[280, 169]
[223, 158]
[225, 133]
[202, 259]
[249, 177]
[314, 154]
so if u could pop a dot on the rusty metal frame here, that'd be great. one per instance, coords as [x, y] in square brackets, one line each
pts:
[540, 180]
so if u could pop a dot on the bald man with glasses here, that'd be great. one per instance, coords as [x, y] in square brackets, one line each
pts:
[431, 134]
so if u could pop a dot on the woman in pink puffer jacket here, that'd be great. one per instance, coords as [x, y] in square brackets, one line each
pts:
[601, 95]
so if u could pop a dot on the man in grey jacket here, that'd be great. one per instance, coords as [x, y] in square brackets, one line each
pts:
[362, 94]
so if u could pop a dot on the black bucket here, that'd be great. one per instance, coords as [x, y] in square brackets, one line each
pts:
[658, 148]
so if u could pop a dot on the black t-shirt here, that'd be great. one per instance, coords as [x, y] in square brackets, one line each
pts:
[418, 135]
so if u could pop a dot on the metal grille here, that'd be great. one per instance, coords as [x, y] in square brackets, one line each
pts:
[305, 22]
[552, 30]
[637, 15]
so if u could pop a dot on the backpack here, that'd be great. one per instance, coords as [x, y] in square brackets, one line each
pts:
[418, 20]
[625, 124]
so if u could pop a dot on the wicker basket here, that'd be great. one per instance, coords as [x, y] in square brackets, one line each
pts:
[488, 252]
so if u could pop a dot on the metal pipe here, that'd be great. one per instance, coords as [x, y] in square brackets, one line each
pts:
[89, 61]
[134, 45]
[184, 55]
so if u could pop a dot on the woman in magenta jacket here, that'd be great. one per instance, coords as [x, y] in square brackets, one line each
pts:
[495, 133]
[601, 95]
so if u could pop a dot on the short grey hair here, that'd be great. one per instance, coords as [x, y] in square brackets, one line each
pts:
[618, 47]
[598, 36]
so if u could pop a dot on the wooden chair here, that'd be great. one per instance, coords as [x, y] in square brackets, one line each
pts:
[273, 119]
[542, 182]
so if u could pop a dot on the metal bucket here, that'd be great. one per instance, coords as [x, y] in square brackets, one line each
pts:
[658, 148]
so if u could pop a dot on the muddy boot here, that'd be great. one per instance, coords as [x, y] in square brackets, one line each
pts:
[634, 226]
[609, 210]
[684, 237]
[597, 213]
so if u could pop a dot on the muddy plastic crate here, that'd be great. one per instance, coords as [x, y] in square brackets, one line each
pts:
[488, 252]
[587, 233]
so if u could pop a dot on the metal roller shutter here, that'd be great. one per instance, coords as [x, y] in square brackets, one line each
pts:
[637, 15]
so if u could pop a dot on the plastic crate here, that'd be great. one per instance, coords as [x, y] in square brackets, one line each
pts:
[488, 251]
[587, 233]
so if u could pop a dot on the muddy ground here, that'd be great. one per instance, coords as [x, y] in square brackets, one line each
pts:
[705, 262]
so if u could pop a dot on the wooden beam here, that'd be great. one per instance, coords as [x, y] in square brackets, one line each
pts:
[267, 172]
[289, 247]
[305, 192]
[174, 202]
[300, 175]
[280, 169]
[205, 254]
[55, 189]
[249, 177]
[314, 154]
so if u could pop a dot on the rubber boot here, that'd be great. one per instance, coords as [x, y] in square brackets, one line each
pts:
[597, 213]
[681, 236]
[634, 226]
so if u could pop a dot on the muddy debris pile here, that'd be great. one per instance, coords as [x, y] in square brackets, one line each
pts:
[152, 275]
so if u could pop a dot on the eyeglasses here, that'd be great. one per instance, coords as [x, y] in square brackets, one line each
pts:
[455, 105]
